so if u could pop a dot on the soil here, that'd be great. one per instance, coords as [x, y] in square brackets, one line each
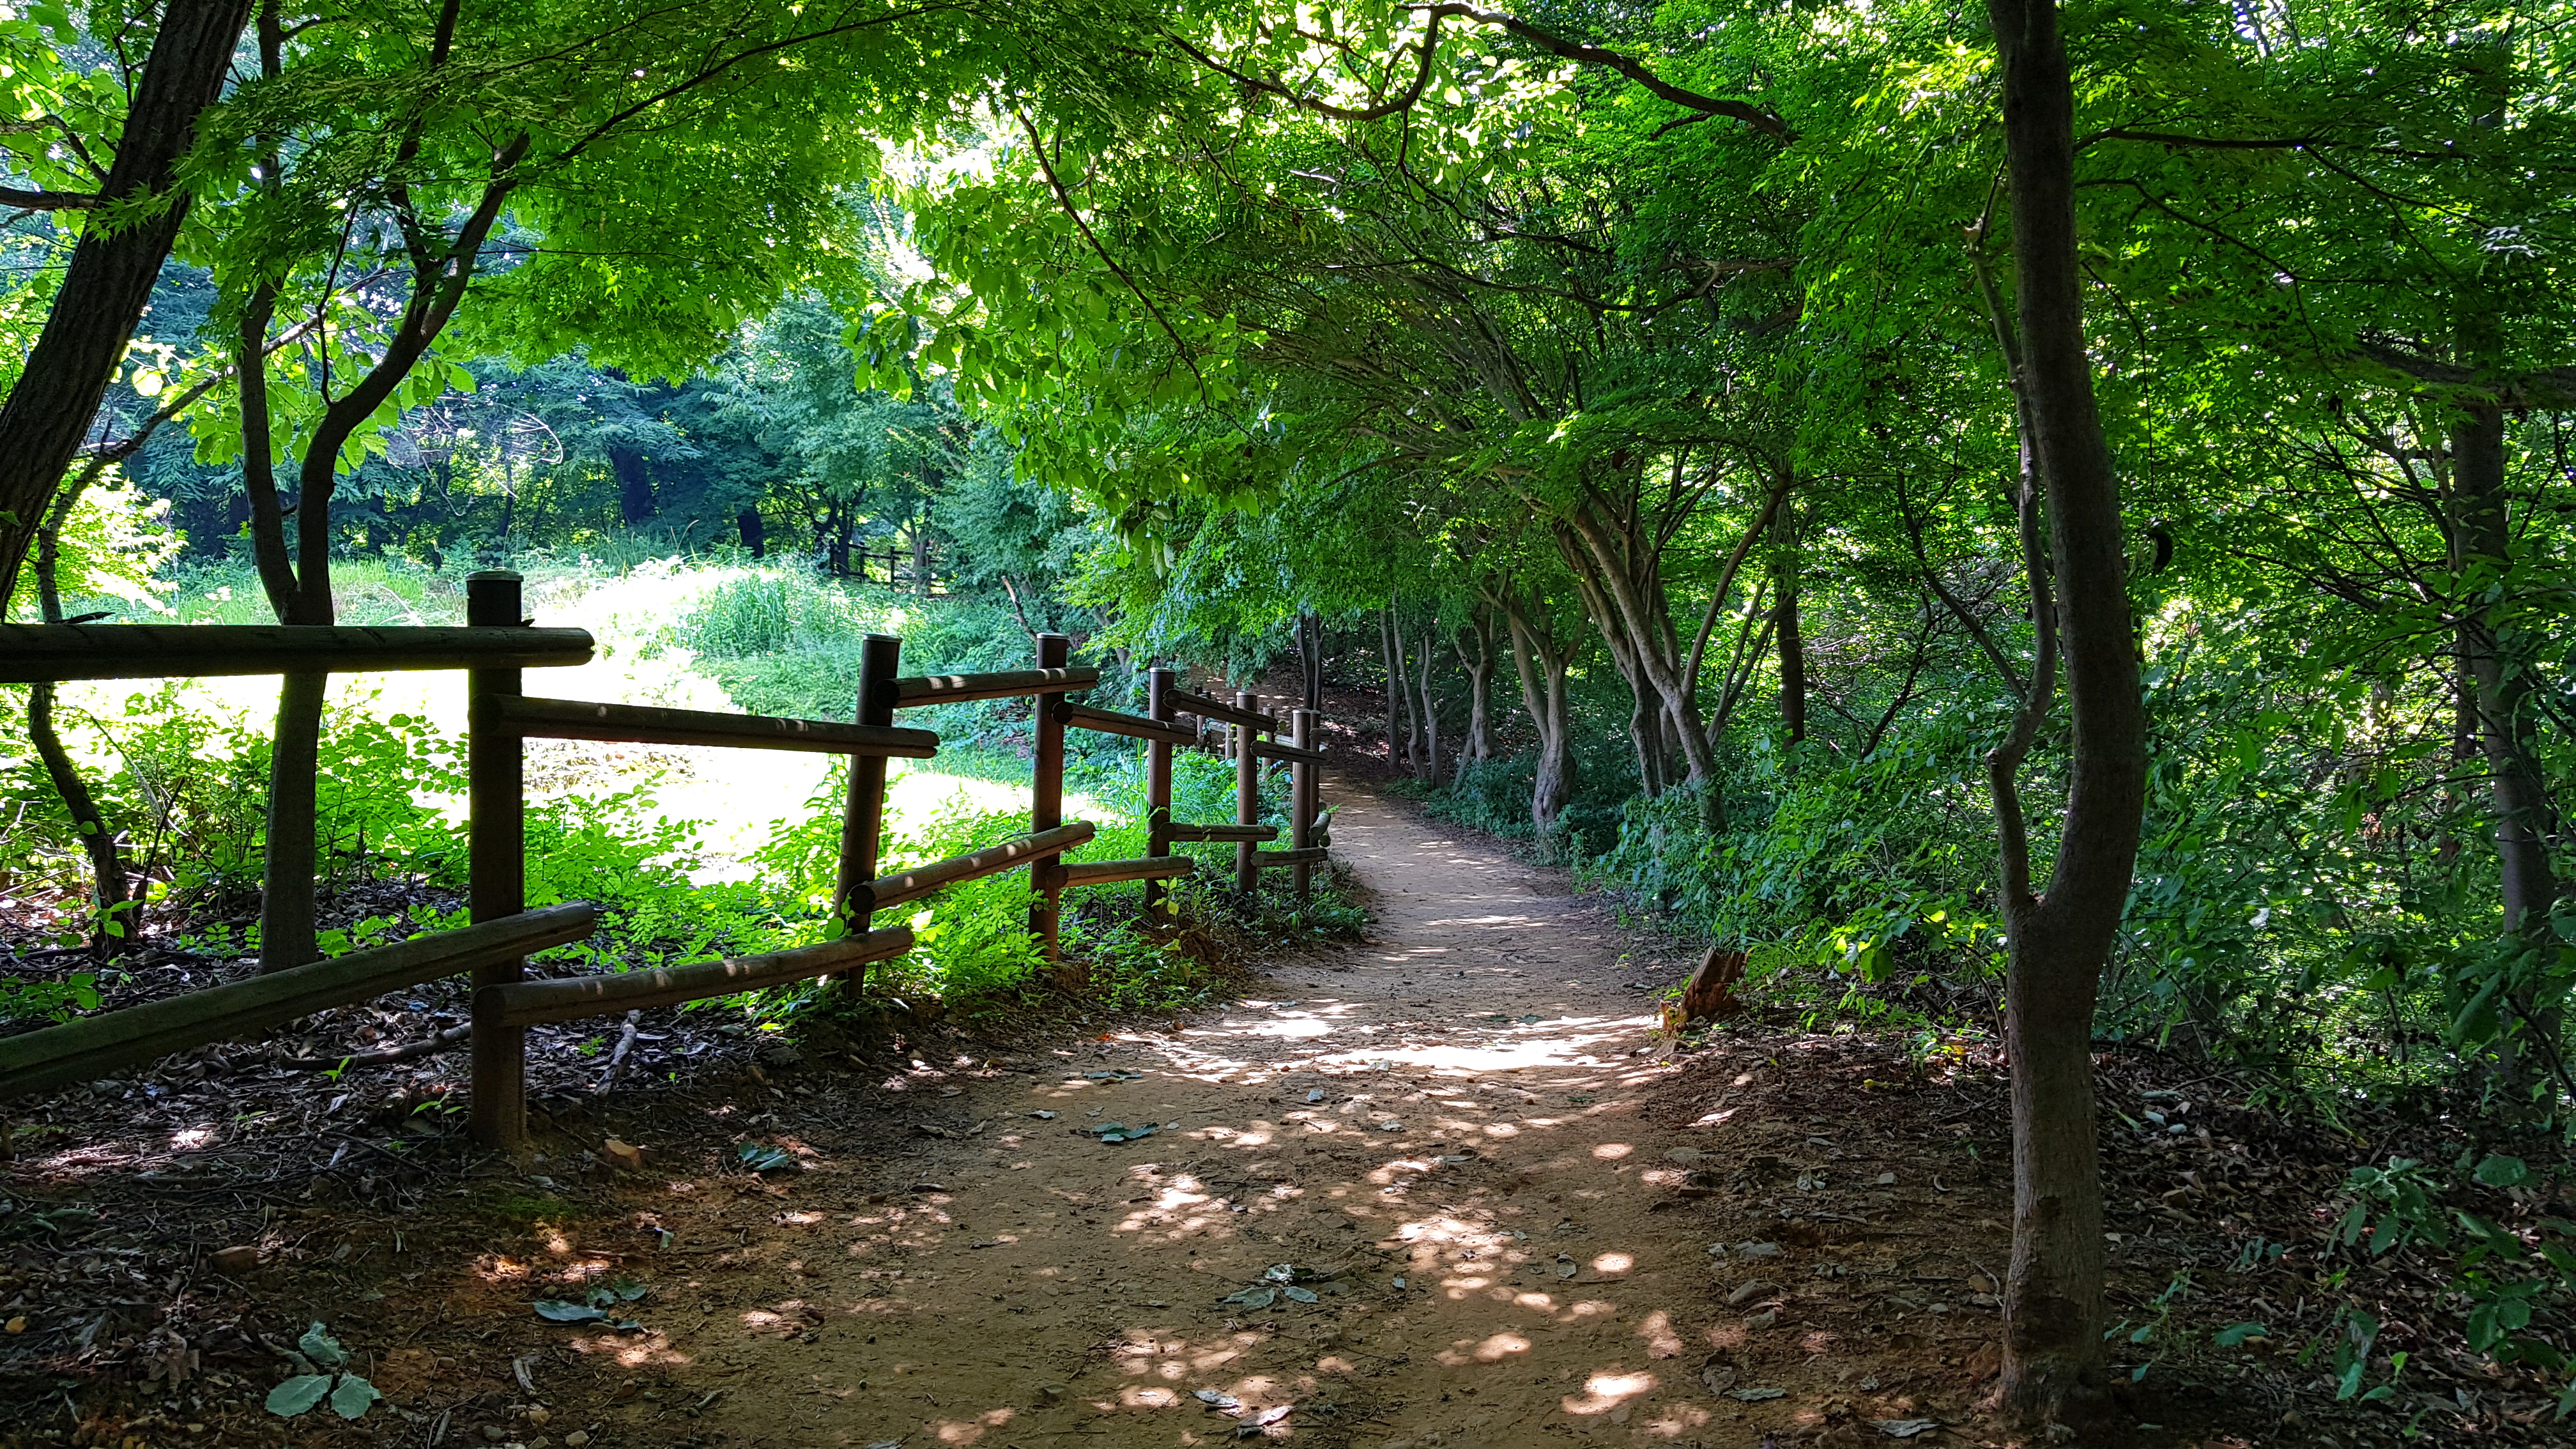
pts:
[1448, 1187]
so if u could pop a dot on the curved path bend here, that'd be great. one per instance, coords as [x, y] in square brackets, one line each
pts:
[1437, 1137]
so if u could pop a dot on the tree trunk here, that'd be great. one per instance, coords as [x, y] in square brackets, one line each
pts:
[286, 887]
[1400, 709]
[1479, 744]
[921, 553]
[1634, 621]
[1541, 666]
[1310, 653]
[2058, 942]
[1793, 648]
[634, 486]
[439, 281]
[109, 281]
[286, 852]
[755, 537]
[836, 542]
[1430, 712]
[2497, 664]
[113, 926]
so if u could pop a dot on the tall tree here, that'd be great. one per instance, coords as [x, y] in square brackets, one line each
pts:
[134, 220]
[2060, 932]
[643, 181]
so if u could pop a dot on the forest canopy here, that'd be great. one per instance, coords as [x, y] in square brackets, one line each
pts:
[2059, 519]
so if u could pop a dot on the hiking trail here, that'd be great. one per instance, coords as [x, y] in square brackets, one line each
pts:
[1438, 1137]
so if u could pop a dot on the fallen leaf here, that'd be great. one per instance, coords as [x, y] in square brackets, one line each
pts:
[1216, 1400]
[298, 1394]
[1755, 1396]
[624, 1154]
[761, 1157]
[1905, 1428]
[353, 1397]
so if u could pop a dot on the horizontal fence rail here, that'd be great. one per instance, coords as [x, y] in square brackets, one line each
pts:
[913, 884]
[1111, 872]
[1205, 708]
[569, 998]
[1264, 750]
[36, 653]
[1211, 833]
[95, 1046]
[928, 689]
[1083, 716]
[575, 719]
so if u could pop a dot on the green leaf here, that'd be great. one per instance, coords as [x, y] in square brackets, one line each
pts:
[559, 1311]
[353, 1397]
[298, 1394]
[322, 1348]
[2236, 1333]
[2501, 1171]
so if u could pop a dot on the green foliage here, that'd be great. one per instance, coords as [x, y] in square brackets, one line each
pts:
[350, 1396]
[1866, 872]
[22, 999]
[2519, 1285]
[972, 938]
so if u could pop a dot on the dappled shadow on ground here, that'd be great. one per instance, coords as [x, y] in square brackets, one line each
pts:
[1443, 1188]
[1415, 1195]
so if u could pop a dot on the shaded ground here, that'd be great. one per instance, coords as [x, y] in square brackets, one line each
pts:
[1519, 1217]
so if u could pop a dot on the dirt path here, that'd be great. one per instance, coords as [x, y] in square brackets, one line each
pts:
[1440, 1133]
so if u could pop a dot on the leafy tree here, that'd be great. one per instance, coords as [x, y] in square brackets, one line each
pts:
[131, 206]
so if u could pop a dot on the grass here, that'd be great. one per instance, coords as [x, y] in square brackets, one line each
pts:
[701, 852]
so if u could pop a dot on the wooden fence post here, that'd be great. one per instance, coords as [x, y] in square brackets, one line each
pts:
[1302, 799]
[1046, 799]
[496, 862]
[1247, 793]
[1158, 779]
[863, 806]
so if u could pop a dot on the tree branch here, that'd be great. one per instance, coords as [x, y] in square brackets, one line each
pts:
[18, 200]
[1766, 121]
[1378, 112]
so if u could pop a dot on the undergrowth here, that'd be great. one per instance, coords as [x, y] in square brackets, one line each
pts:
[187, 779]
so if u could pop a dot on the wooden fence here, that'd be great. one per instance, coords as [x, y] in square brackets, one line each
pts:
[494, 647]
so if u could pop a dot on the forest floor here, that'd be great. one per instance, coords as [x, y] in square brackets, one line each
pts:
[1448, 1187]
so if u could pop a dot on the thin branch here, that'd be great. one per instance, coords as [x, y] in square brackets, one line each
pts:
[16, 199]
[1064, 199]
[1383, 109]
[1760, 118]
